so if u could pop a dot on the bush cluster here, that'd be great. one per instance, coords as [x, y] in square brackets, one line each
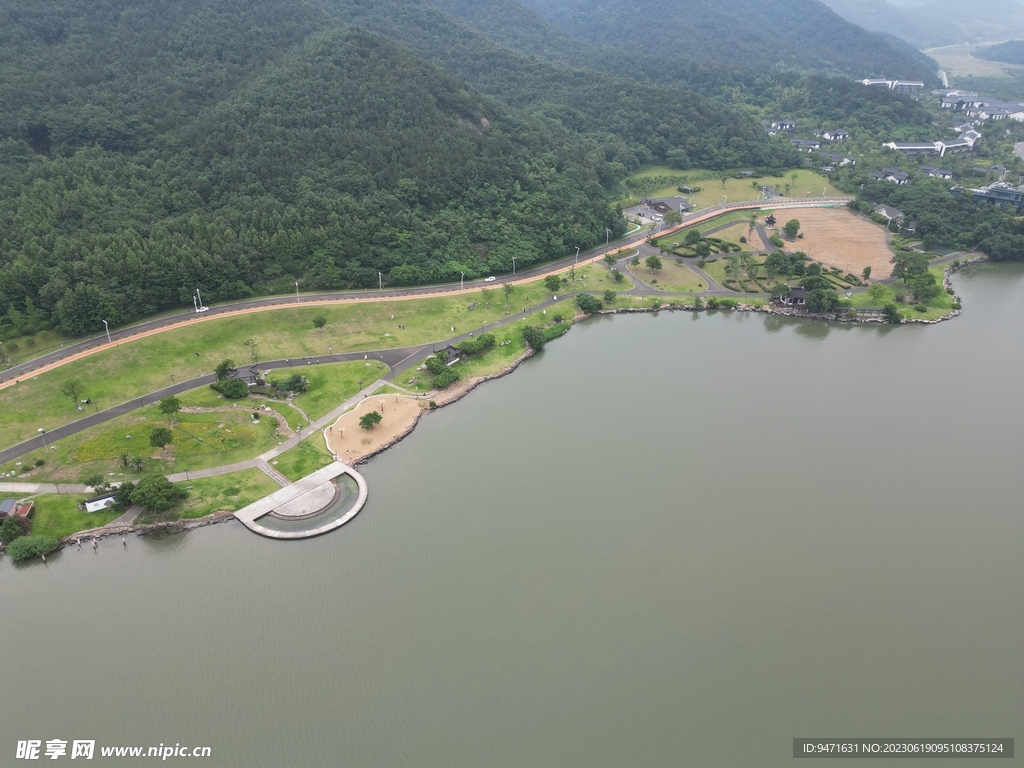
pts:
[27, 547]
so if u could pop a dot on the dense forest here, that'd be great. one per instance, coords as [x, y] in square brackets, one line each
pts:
[149, 149]
[802, 35]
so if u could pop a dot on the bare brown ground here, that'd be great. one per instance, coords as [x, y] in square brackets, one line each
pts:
[350, 442]
[838, 238]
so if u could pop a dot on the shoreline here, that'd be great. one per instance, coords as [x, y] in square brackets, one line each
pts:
[445, 398]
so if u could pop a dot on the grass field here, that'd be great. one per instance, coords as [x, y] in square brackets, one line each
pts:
[672, 277]
[304, 459]
[807, 184]
[958, 61]
[144, 365]
[59, 515]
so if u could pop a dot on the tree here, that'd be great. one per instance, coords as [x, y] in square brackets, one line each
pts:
[370, 420]
[617, 276]
[866, 273]
[138, 463]
[876, 292]
[225, 368]
[160, 437]
[635, 261]
[907, 264]
[94, 480]
[157, 494]
[732, 267]
[534, 337]
[124, 459]
[752, 222]
[253, 346]
[774, 264]
[123, 494]
[792, 228]
[319, 320]
[821, 300]
[72, 388]
[892, 314]
[653, 263]
[925, 287]
[702, 249]
[609, 296]
[485, 293]
[169, 406]
[750, 265]
[692, 237]
[553, 283]
[673, 217]
[610, 260]
[507, 289]
[232, 389]
[588, 304]
[780, 291]
[14, 527]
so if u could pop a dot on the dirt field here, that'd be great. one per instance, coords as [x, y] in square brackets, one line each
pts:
[351, 442]
[838, 238]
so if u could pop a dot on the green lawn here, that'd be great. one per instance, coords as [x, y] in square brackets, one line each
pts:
[672, 277]
[214, 494]
[938, 307]
[304, 459]
[59, 515]
[136, 368]
[331, 385]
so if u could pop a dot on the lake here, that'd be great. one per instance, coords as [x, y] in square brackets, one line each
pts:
[673, 539]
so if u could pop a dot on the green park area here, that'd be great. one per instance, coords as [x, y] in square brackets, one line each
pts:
[223, 493]
[151, 363]
[58, 515]
[672, 276]
[909, 307]
[663, 181]
[304, 459]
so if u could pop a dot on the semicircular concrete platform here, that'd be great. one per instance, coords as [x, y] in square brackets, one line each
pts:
[306, 500]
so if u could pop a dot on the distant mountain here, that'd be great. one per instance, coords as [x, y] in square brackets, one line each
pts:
[937, 23]
[802, 35]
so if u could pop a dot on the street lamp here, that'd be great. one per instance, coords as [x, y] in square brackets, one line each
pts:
[607, 236]
[200, 298]
[296, 293]
[107, 329]
[380, 281]
[462, 280]
[195, 305]
[577, 254]
[513, 265]
[42, 433]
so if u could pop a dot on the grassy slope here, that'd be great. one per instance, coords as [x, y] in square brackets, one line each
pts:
[58, 515]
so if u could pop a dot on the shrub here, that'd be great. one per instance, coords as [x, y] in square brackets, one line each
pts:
[743, 239]
[609, 296]
[776, 241]
[617, 276]
[445, 379]
[232, 389]
[698, 303]
[558, 318]
[160, 437]
[553, 283]
[921, 307]
[435, 365]
[123, 494]
[891, 314]
[40, 462]
[713, 302]
[478, 345]
[14, 527]
[432, 404]
[956, 305]
[319, 321]
[534, 337]
[587, 303]
[949, 290]
[295, 383]
[556, 330]
[27, 547]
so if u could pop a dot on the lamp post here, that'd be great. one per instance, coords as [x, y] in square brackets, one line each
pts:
[577, 255]
[607, 236]
[513, 265]
[296, 293]
[195, 305]
[42, 433]
[380, 281]
[462, 280]
[200, 298]
[107, 329]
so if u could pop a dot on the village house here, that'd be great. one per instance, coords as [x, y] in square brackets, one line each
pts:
[894, 175]
[936, 173]
[806, 145]
[795, 300]
[911, 148]
[892, 214]
[665, 204]
[783, 125]
[839, 134]
[839, 159]
[911, 88]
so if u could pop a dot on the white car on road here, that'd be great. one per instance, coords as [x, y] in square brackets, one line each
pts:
[490, 279]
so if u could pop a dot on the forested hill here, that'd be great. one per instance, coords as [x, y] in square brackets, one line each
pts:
[1010, 52]
[764, 34]
[149, 148]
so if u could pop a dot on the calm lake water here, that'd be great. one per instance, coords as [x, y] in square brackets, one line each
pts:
[668, 540]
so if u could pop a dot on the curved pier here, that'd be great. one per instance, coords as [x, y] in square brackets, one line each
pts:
[293, 511]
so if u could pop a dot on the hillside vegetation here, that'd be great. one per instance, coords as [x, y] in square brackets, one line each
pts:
[764, 34]
[1010, 52]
